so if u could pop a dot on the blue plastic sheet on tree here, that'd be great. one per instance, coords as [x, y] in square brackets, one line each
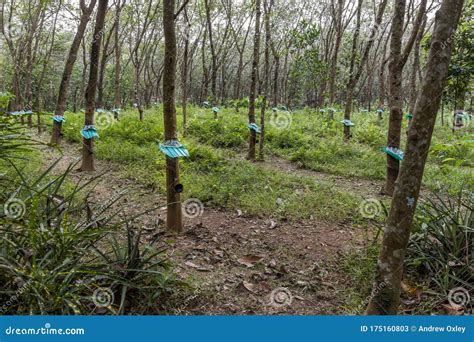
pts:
[21, 112]
[409, 116]
[347, 123]
[332, 110]
[394, 152]
[116, 110]
[89, 132]
[322, 110]
[215, 109]
[59, 118]
[205, 104]
[275, 109]
[100, 110]
[173, 149]
[364, 111]
[380, 111]
[254, 127]
[283, 108]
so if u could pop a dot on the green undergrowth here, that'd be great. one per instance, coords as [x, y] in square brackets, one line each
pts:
[215, 175]
[312, 140]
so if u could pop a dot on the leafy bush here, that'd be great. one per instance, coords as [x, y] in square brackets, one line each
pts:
[58, 255]
[442, 247]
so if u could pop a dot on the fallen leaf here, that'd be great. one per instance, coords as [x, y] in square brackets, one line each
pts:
[249, 286]
[250, 260]
[218, 252]
[199, 268]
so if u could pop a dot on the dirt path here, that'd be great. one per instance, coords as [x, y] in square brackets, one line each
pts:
[363, 187]
[238, 264]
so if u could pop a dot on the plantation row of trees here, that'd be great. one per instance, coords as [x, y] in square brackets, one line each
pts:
[319, 52]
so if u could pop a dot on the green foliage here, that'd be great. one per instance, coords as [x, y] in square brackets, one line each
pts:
[5, 98]
[220, 134]
[441, 249]
[59, 255]
[458, 153]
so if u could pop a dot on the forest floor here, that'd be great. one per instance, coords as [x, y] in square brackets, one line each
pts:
[236, 263]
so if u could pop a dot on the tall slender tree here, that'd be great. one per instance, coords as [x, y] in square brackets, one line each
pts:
[86, 12]
[386, 293]
[87, 143]
[398, 59]
[174, 216]
[357, 72]
[253, 85]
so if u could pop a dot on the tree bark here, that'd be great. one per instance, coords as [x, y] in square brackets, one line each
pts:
[174, 219]
[117, 47]
[337, 15]
[71, 60]
[268, 13]
[397, 63]
[213, 52]
[253, 86]
[386, 289]
[184, 70]
[356, 74]
[87, 144]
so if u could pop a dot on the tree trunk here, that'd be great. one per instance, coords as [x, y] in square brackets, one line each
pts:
[66, 79]
[356, 75]
[386, 289]
[268, 13]
[395, 89]
[117, 97]
[174, 218]
[352, 80]
[87, 144]
[213, 52]
[184, 70]
[337, 14]
[397, 63]
[253, 86]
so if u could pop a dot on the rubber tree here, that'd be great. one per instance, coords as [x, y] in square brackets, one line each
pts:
[253, 85]
[268, 13]
[174, 216]
[386, 288]
[87, 144]
[86, 12]
[117, 48]
[398, 59]
[357, 73]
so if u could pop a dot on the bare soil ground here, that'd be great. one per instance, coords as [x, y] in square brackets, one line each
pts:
[238, 264]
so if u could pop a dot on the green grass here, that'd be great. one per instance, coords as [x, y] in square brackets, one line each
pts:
[215, 174]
